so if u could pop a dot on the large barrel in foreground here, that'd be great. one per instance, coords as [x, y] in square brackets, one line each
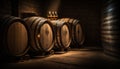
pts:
[13, 36]
[63, 36]
[76, 31]
[111, 28]
[41, 35]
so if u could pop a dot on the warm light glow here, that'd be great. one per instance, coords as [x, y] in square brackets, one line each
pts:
[49, 12]
[109, 37]
[52, 15]
[109, 17]
[108, 22]
[109, 40]
[38, 35]
[107, 32]
[108, 27]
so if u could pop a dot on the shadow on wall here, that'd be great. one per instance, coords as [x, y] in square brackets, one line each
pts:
[89, 13]
[5, 6]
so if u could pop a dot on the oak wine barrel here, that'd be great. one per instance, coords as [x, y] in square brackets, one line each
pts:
[13, 36]
[111, 28]
[63, 36]
[41, 35]
[76, 31]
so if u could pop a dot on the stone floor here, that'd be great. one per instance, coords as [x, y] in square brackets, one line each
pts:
[86, 58]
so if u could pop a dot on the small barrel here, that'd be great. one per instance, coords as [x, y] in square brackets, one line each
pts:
[13, 36]
[41, 35]
[63, 36]
[111, 28]
[76, 31]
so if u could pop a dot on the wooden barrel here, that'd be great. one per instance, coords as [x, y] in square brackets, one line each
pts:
[76, 31]
[111, 28]
[63, 36]
[13, 36]
[41, 35]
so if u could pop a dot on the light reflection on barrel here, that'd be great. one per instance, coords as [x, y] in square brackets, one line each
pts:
[111, 28]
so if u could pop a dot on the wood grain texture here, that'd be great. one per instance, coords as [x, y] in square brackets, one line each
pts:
[17, 38]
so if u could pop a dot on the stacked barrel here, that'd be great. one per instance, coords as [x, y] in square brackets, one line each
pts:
[62, 35]
[76, 31]
[32, 35]
[37, 35]
[111, 27]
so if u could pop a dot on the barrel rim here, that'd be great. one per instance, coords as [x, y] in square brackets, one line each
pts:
[6, 27]
[69, 35]
[36, 24]
[32, 23]
[74, 36]
[39, 25]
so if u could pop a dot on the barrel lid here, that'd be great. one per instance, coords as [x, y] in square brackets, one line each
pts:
[17, 39]
[65, 36]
